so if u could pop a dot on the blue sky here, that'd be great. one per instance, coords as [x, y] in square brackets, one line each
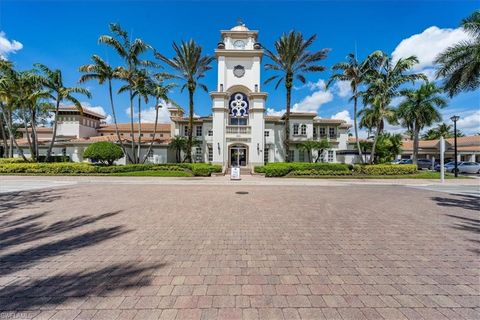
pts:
[63, 34]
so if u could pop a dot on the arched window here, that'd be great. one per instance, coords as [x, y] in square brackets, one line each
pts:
[238, 107]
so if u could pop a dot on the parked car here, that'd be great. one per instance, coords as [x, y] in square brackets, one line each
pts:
[399, 161]
[421, 163]
[463, 167]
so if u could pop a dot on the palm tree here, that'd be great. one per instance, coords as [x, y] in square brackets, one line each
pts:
[190, 66]
[383, 81]
[311, 145]
[460, 64]
[53, 81]
[419, 110]
[354, 72]
[130, 52]
[178, 143]
[442, 130]
[102, 72]
[292, 60]
[9, 86]
[160, 92]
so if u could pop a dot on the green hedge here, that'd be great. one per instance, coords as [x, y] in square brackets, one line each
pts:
[312, 172]
[281, 169]
[384, 169]
[197, 169]
[13, 160]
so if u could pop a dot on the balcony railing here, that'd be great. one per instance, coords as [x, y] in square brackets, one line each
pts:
[238, 129]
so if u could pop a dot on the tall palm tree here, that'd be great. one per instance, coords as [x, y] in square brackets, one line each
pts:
[460, 64]
[419, 110]
[102, 72]
[9, 86]
[292, 60]
[160, 92]
[190, 66]
[130, 52]
[383, 81]
[354, 72]
[53, 81]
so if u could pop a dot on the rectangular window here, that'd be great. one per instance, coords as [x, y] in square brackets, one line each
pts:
[322, 132]
[314, 132]
[330, 156]
[198, 154]
[210, 133]
[295, 129]
[331, 132]
[198, 131]
[265, 155]
[238, 121]
[185, 131]
[301, 156]
[152, 135]
[303, 129]
[267, 133]
[210, 154]
[291, 155]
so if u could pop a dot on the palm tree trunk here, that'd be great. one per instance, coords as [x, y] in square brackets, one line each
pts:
[132, 133]
[49, 151]
[12, 137]
[415, 143]
[288, 87]
[139, 128]
[115, 121]
[372, 154]
[33, 121]
[190, 125]
[355, 125]
[4, 138]
[154, 134]
[29, 140]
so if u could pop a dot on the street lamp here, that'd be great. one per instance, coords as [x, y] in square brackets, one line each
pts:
[455, 119]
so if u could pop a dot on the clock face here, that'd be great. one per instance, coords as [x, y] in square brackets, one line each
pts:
[239, 44]
[239, 71]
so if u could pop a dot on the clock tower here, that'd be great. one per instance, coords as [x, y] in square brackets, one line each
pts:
[238, 105]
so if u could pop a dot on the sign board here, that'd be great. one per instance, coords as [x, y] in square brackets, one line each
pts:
[235, 173]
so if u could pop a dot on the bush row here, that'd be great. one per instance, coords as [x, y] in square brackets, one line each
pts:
[281, 169]
[385, 169]
[333, 169]
[197, 169]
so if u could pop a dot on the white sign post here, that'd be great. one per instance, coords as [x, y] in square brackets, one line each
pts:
[235, 173]
[442, 159]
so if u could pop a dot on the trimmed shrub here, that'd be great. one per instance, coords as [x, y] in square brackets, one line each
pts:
[104, 152]
[280, 169]
[313, 172]
[201, 169]
[384, 169]
[13, 160]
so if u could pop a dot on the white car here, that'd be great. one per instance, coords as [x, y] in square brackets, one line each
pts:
[463, 167]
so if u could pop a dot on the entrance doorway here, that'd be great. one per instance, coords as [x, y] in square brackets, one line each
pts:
[238, 156]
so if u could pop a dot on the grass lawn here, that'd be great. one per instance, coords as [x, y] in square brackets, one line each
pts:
[420, 175]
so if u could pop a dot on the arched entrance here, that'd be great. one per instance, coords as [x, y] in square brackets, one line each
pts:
[238, 155]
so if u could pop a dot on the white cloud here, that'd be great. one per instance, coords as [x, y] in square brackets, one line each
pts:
[312, 103]
[8, 46]
[312, 86]
[343, 88]
[273, 112]
[469, 122]
[343, 115]
[426, 46]
[148, 114]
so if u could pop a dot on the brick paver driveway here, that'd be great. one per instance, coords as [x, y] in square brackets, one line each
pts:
[205, 252]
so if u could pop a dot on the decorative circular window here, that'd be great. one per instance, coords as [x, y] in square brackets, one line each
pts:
[238, 105]
[239, 71]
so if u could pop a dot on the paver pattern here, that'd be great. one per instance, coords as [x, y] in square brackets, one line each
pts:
[138, 251]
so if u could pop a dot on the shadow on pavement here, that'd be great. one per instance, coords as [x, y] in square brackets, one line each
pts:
[469, 202]
[21, 199]
[55, 290]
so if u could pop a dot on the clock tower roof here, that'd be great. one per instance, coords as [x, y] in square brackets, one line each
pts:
[240, 27]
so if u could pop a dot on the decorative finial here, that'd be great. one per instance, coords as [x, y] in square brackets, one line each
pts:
[240, 22]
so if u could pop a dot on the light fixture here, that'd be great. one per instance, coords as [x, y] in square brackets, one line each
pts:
[218, 146]
[258, 147]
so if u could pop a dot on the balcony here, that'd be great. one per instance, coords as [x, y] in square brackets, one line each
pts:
[238, 130]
